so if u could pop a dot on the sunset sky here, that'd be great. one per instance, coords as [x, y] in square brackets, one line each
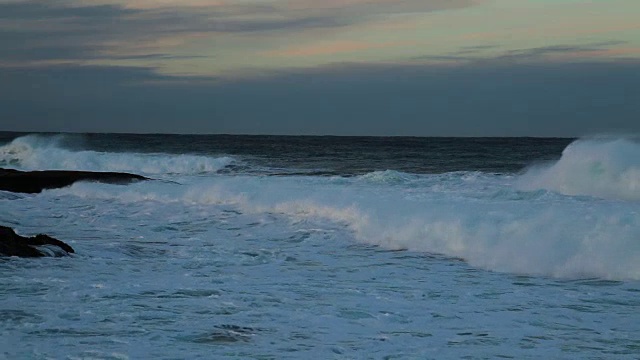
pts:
[252, 66]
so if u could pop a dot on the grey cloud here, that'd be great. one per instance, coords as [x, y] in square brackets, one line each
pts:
[91, 98]
[49, 31]
[154, 57]
[239, 26]
[534, 53]
[41, 10]
[234, 18]
[51, 53]
[34, 30]
[471, 100]
[465, 50]
[453, 57]
[479, 47]
[404, 6]
[57, 32]
[474, 53]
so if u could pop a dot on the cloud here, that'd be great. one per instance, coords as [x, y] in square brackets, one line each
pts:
[540, 52]
[39, 31]
[466, 50]
[588, 51]
[558, 29]
[85, 30]
[97, 98]
[44, 31]
[472, 99]
[44, 10]
[378, 6]
[309, 14]
[331, 48]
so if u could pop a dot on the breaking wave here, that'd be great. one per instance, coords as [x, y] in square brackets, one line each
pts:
[605, 168]
[551, 235]
[524, 224]
[34, 152]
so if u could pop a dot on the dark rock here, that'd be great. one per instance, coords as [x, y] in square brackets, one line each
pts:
[36, 181]
[12, 244]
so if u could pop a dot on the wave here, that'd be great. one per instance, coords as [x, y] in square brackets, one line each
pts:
[482, 218]
[388, 177]
[550, 235]
[35, 152]
[607, 168]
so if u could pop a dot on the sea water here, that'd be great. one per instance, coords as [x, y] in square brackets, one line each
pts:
[259, 247]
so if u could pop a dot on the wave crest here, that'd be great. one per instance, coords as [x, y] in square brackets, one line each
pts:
[605, 168]
[35, 152]
[551, 235]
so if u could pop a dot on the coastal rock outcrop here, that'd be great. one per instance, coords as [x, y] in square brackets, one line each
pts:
[12, 244]
[36, 181]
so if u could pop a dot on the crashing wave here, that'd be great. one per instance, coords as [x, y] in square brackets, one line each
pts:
[605, 168]
[34, 152]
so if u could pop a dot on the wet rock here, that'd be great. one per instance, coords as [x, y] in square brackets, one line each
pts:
[12, 244]
[36, 181]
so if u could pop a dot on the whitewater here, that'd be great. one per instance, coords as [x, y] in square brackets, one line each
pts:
[322, 247]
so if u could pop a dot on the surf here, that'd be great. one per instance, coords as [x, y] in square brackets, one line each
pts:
[38, 152]
[548, 234]
[574, 217]
[606, 167]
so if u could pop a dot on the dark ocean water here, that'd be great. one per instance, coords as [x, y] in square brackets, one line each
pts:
[332, 155]
[279, 247]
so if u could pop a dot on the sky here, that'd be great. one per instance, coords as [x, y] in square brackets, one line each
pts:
[330, 67]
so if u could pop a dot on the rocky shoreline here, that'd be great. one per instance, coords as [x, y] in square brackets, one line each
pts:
[12, 244]
[36, 181]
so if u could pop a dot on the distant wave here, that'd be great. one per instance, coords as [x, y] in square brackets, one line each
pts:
[388, 177]
[36, 152]
[607, 168]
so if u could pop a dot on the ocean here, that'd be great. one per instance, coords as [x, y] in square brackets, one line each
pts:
[285, 247]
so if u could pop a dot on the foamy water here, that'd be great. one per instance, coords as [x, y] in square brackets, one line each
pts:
[36, 153]
[534, 264]
[607, 168]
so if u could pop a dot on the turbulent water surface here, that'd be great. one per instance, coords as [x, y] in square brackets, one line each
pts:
[327, 247]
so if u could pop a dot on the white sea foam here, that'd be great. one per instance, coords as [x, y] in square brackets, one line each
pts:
[606, 168]
[388, 177]
[482, 218]
[34, 152]
[550, 235]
